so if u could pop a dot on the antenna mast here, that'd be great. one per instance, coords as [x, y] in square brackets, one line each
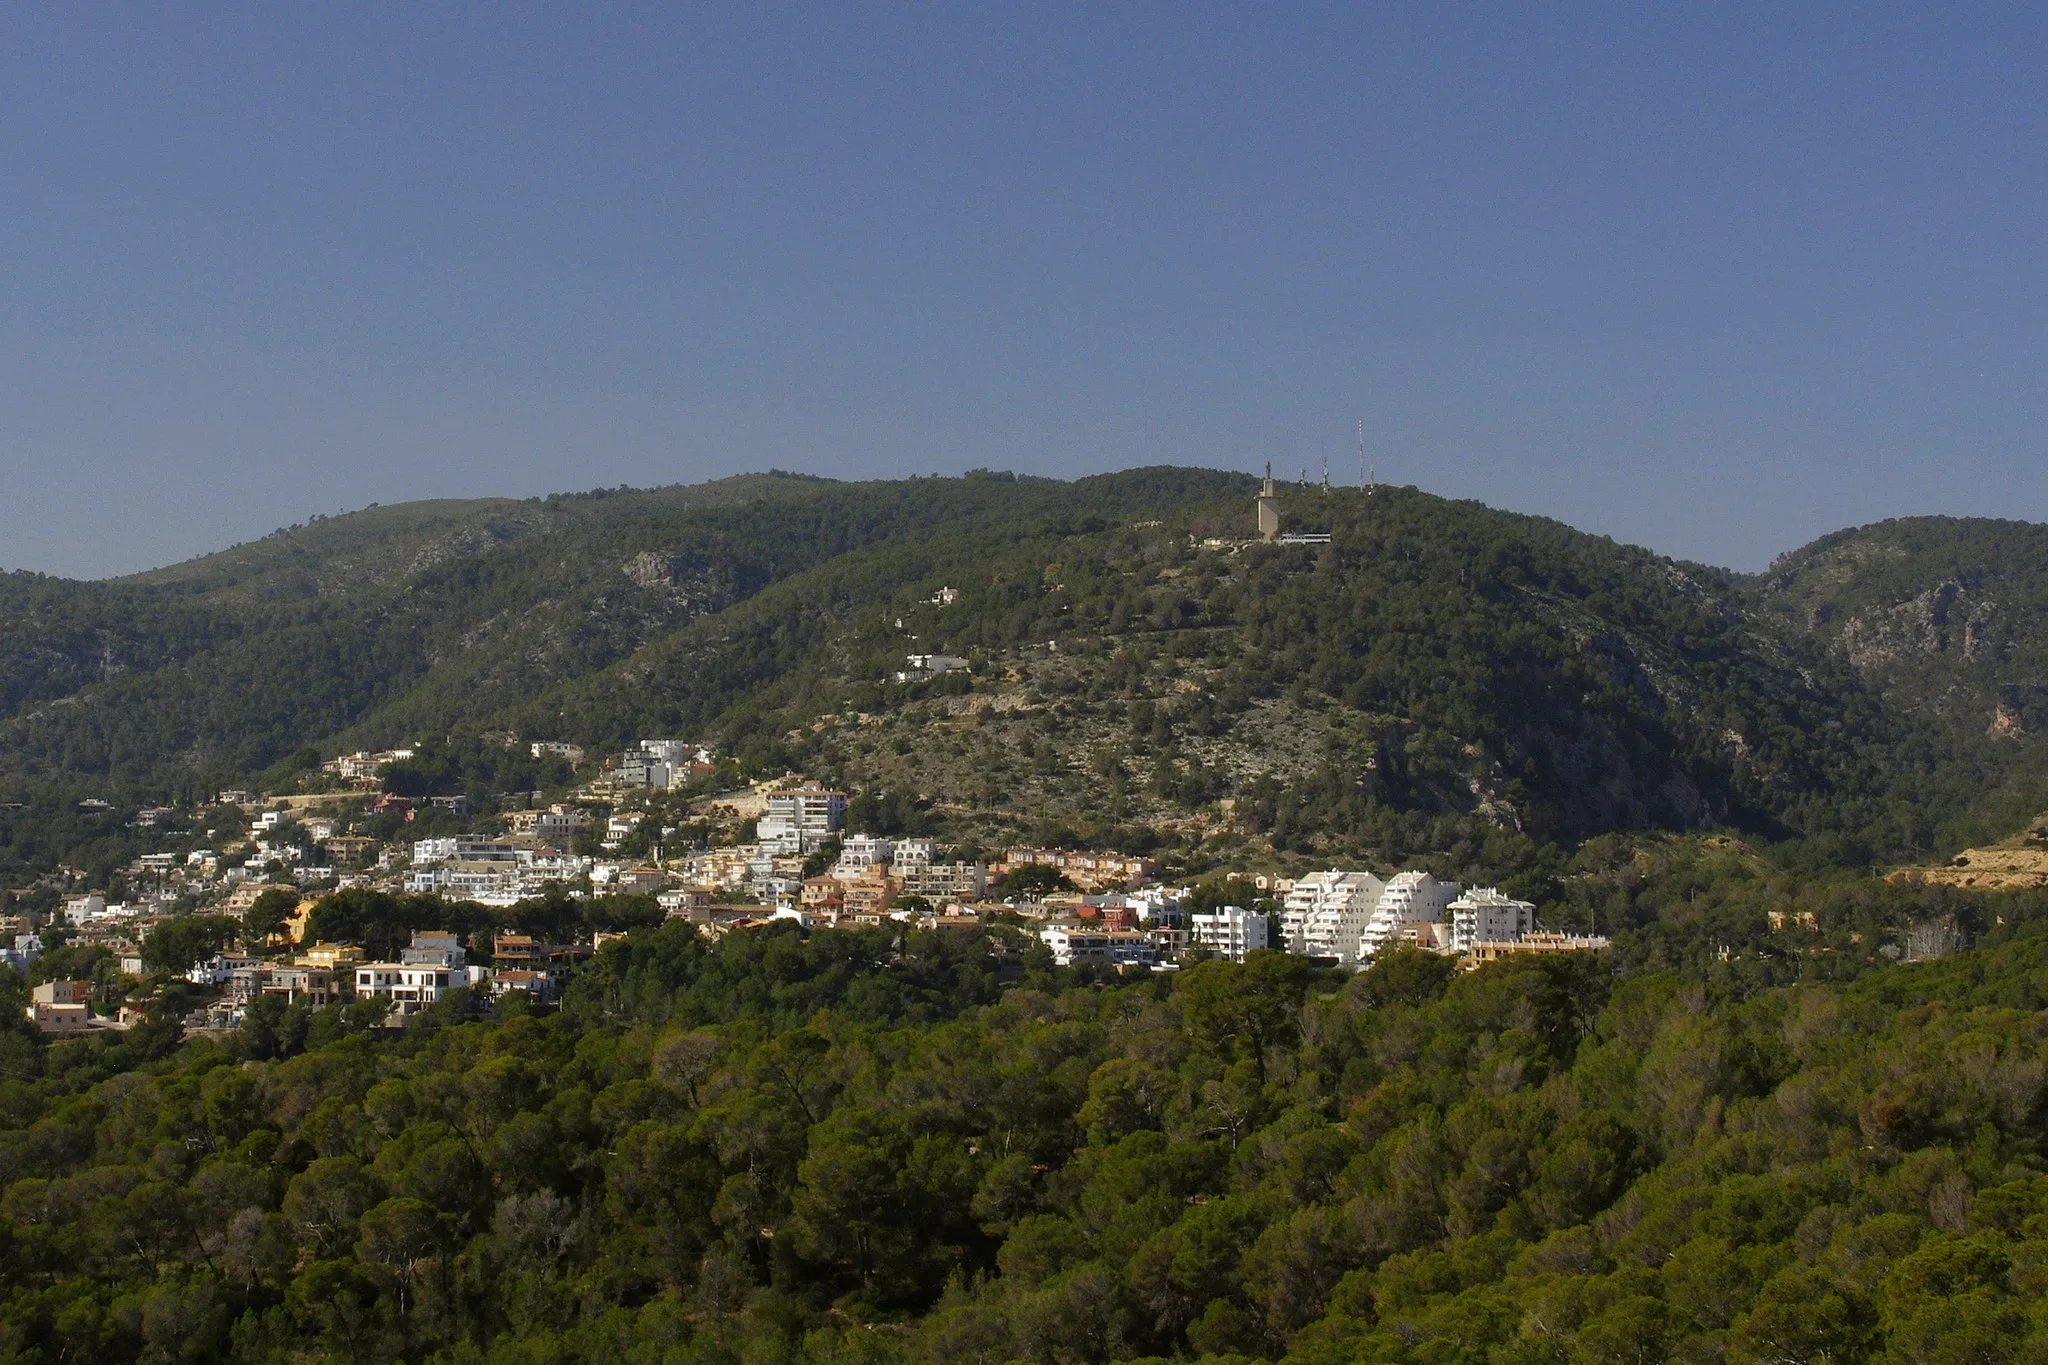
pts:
[1368, 474]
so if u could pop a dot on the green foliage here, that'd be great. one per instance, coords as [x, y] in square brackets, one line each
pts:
[268, 914]
[1035, 879]
[176, 944]
[825, 1147]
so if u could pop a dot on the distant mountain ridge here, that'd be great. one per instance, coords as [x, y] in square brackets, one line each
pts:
[1883, 687]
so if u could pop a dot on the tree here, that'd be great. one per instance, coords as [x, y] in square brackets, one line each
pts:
[176, 944]
[1035, 879]
[401, 1238]
[267, 916]
[1245, 1010]
[324, 1202]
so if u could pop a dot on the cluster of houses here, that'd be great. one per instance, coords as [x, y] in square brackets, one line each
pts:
[874, 873]
[1110, 909]
[501, 871]
[428, 968]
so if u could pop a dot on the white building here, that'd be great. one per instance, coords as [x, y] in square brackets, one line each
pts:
[676, 753]
[559, 823]
[489, 883]
[84, 909]
[929, 665]
[1230, 933]
[801, 820]
[1326, 913]
[554, 748]
[909, 853]
[863, 851]
[943, 881]
[432, 966]
[639, 770]
[1410, 898]
[220, 969]
[1484, 915]
[468, 848]
[27, 948]
[1072, 943]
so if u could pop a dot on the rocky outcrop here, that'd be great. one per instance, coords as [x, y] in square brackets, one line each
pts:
[1951, 617]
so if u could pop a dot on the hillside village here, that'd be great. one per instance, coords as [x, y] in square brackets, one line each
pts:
[772, 852]
[251, 901]
[230, 903]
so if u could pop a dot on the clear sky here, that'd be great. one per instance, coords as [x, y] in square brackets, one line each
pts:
[1712, 278]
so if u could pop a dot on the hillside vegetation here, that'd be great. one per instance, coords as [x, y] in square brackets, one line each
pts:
[1441, 672]
[784, 1148]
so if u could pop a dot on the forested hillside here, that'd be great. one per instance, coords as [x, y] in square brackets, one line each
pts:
[839, 1148]
[1439, 674]
[218, 669]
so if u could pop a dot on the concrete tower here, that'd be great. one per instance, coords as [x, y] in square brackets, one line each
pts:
[1269, 508]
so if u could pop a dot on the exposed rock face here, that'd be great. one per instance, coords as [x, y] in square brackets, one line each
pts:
[1949, 617]
[688, 580]
[652, 569]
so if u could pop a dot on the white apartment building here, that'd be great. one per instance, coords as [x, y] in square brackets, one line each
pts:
[468, 848]
[1326, 913]
[721, 868]
[639, 770]
[1484, 915]
[411, 988]
[554, 748]
[1410, 898]
[1230, 933]
[221, 968]
[555, 824]
[801, 820]
[84, 909]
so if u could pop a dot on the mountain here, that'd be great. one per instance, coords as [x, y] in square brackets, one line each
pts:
[428, 617]
[1438, 675]
[1945, 620]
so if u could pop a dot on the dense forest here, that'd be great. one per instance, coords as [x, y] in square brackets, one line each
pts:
[857, 1147]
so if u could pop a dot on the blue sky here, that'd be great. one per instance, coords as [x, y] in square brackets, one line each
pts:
[1715, 279]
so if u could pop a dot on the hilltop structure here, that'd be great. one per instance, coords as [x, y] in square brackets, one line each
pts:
[1268, 508]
